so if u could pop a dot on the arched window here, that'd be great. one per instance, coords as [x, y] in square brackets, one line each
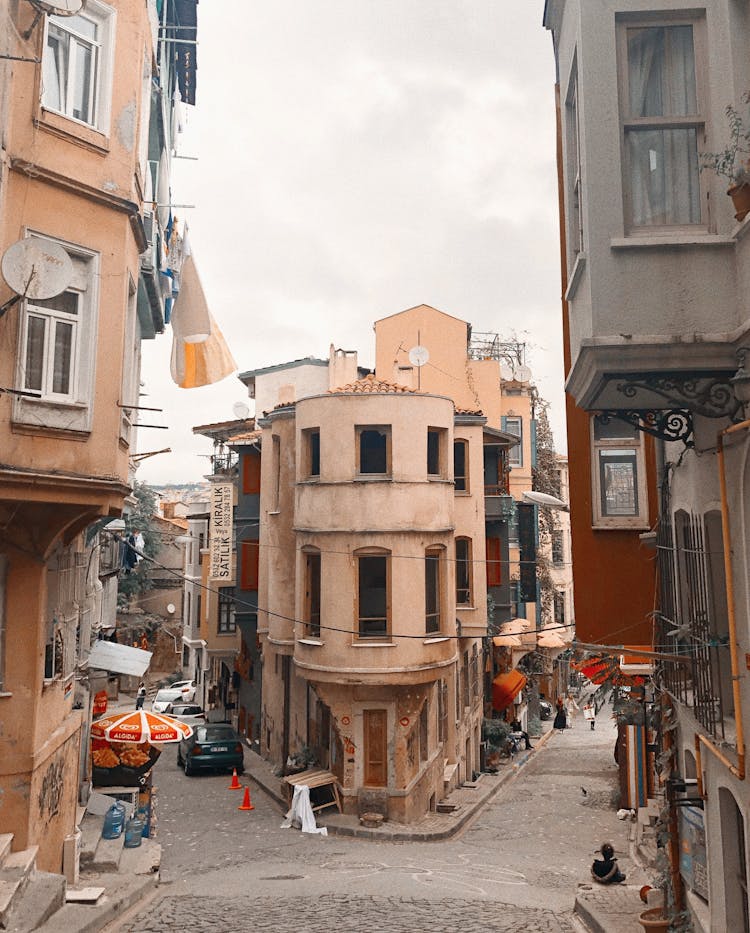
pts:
[734, 850]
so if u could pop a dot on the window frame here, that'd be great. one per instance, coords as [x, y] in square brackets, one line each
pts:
[515, 453]
[636, 445]
[52, 317]
[311, 455]
[434, 617]
[463, 490]
[574, 180]
[226, 621]
[73, 411]
[364, 554]
[312, 628]
[467, 562]
[440, 436]
[384, 429]
[104, 17]
[627, 122]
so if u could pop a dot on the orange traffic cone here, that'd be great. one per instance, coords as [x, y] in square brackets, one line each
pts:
[246, 805]
[235, 785]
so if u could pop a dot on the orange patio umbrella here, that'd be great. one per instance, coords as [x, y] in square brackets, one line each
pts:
[505, 688]
[140, 726]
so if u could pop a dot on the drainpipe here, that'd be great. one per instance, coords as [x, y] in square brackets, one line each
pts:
[737, 770]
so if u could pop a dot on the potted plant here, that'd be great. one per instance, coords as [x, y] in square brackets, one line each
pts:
[733, 162]
[495, 733]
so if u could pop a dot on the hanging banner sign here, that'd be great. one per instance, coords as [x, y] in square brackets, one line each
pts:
[220, 534]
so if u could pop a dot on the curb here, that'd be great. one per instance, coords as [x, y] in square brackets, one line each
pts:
[437, 835]
[93, 918]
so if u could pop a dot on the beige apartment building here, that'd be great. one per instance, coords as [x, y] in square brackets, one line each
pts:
[373, 603]
[76, 100]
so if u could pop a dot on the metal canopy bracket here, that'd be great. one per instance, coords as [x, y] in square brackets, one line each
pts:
[710, 394]
[674, 424]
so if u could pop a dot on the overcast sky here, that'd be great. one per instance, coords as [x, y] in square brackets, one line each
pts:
[356, 158]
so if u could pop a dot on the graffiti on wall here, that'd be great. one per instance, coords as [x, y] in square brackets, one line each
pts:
[51, 791]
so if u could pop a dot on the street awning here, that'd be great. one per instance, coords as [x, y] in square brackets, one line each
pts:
[505, 688]
[120, 659]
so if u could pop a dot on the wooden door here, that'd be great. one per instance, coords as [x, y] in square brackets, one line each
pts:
[376, 747]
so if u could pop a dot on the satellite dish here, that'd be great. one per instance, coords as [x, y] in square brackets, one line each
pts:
[506, 372]
[59, 7]
[523, 374]
[550, 502]
[37, 269]
[419, 355]
[170, 608]
[241, 411]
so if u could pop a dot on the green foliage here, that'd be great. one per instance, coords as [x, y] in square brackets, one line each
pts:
[732, 162]
[140, 518]
[495, 733]
[545, 478]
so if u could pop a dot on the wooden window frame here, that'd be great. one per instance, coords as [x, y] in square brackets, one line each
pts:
[434, 619]
[249, 564]
[312, 613]
[380, 636]
[441, 437]
[385, 430]
[311, 455]
[461, 483]
[635, 446]
[515, 453]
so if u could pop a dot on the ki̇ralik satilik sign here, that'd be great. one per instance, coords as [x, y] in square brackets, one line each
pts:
[220, 537]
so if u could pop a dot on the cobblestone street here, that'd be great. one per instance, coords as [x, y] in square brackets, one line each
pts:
[515, 867]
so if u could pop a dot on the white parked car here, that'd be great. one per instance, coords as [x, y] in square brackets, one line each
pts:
[164, 697]
[186, 688]
[190, 713]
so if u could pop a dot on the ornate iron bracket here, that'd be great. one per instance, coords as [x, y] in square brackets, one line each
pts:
[670, 425]
[709, 394]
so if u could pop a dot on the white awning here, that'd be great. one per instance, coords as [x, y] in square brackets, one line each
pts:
[122, 659]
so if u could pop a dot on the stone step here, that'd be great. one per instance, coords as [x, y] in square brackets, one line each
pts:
[143, 860]
[91, 833]
[14, 876]
[6, 840]
[107, 854]
[43, 895]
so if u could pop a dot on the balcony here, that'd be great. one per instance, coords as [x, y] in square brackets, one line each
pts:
[498, 504]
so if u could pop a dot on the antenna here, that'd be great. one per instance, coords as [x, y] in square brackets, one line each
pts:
[241, 411]
[418, 356]
[35, 269]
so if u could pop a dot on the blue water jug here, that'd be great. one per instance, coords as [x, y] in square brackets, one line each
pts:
[133, 833]
[114, 821]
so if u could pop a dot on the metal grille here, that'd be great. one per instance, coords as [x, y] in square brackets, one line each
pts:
[685, 626]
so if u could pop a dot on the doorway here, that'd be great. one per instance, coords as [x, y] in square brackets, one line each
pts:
[375, 728]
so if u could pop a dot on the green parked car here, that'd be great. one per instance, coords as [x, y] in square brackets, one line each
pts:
[214, 746]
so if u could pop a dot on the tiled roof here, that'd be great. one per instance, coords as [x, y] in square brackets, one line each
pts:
[468, 411]
[372, 386]
[246, 437]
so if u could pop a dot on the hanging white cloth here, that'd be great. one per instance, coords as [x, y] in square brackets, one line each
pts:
[301, 812]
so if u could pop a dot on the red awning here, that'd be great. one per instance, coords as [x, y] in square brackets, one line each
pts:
[505, 688]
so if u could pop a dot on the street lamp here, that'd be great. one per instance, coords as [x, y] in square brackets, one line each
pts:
[547, 501]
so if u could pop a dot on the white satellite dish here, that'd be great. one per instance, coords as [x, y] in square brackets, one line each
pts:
[171, 608]
[59, 7]
[37, 269]
[523, 374]
[419, 355]
[506, 372]
[241, 411]
[550, 502]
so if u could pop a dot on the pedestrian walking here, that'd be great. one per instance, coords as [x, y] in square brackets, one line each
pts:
[605, 869]
[571, 708]
[561, 720]
[590, 715]
[140, 697]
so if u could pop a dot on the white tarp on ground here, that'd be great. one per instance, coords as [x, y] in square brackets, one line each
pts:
[301, 813]
[121, 659]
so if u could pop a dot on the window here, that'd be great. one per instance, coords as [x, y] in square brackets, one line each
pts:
[558, 547]
[312, 595]
[463, 572]
[575, 219]
[494, 566]
[311, 453]
[51, 337]
[661, 122]
[226, 623]
[619, 494]
[434, 451]
[276, 474]
[373, 602]
[77, 66]
[374, 450]
[559, 607]
[514, 426]
[461, 465]
[57, 348]
[249, 551]
[432, 594]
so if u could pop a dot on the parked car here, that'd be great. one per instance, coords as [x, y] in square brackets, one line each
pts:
[211, 746]
[545, 710]
[186, 687]
[190, 713]
[164, 697]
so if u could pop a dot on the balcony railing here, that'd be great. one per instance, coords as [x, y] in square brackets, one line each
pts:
[498, 504]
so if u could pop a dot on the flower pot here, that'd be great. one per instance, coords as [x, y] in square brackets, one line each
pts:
[652, 919]
[740, 195]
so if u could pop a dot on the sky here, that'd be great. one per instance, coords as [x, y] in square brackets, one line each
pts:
[356, 158]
